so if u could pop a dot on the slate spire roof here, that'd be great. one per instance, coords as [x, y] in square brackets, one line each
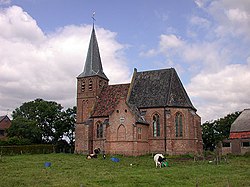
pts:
[158, 88]
[93, 64]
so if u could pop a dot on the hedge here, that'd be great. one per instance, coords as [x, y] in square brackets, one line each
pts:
[26, 149]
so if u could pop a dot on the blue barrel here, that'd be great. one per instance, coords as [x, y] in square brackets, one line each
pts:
[115, 159]
[47, 164]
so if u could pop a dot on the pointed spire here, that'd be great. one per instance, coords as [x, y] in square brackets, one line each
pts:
[93, 64]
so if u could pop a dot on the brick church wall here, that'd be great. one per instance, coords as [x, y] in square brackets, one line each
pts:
[82, 138]
[190, 142]
[99, 142]
[121, 131]
[156, 144]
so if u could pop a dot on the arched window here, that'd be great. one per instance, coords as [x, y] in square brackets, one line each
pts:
[178, 125]
[121, 132]
[99, 130]
[156, 125]
[90, 84]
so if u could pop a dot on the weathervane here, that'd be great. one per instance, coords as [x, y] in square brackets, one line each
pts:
[93, 17]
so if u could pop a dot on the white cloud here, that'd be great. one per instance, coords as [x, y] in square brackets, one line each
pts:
[35, 65]
[17, 26]
[218, 94]
[237, 15]
[200, 22]
[170, 41]
[232, 17]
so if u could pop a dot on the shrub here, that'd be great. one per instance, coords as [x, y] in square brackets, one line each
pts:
[26, 149]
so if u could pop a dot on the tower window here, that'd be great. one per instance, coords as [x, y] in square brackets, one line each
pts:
[90, 84]
[156, 125]
[178, 125]
[100, 83]
[83, 86]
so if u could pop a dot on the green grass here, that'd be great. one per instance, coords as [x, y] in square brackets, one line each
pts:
[76, 170]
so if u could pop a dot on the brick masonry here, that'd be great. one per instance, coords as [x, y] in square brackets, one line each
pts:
[120, 136]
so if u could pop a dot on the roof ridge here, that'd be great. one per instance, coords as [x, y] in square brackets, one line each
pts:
[131, 85]
[154, 70]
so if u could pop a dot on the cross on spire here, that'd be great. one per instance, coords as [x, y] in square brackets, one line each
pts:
[93, 17]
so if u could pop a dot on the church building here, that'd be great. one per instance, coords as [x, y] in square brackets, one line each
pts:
[151, 114]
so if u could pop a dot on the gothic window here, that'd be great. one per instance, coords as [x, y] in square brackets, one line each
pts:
[99, 130]
[156, 125]
[139, 133]
[90, 84]
[178, 125]
[83, 86]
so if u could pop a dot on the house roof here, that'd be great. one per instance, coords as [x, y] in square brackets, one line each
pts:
[109, 98]
[4, 125]
[158, 88]
[242, 123]
[93, 64]
[3, 117]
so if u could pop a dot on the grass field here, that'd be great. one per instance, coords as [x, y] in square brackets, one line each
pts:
[76, 170]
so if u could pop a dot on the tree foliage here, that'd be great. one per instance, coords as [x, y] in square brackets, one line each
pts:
[217, 130]
[23, 128]
[42, 122]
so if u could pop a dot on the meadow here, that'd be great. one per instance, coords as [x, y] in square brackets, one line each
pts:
[75, 170]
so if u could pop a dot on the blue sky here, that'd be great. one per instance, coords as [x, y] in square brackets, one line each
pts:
[44, 45]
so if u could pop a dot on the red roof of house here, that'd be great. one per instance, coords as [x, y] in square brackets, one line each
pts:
[109, 98]
[239, 135]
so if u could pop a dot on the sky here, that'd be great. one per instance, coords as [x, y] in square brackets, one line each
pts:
[43, 48]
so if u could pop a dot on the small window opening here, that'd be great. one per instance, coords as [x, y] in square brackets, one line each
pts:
[90, 84]
[83, 86]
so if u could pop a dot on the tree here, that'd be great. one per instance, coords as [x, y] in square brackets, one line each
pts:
[69, 120]
[23, 128]
[217, 130]
[47, 116]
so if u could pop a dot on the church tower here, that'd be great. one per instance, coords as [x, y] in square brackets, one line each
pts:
[89, 84]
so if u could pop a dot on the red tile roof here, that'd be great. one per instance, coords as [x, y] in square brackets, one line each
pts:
[109, 98]
[239, 135]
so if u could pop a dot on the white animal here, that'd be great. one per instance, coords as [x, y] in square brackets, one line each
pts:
[158, 158]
